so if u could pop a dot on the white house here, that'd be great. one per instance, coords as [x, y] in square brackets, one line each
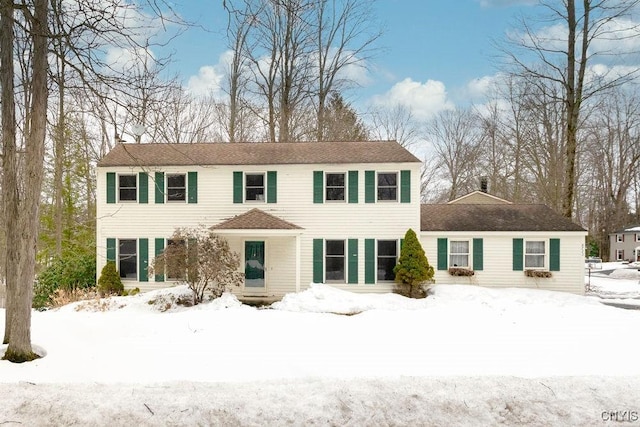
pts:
[297, 213]
[501, 244]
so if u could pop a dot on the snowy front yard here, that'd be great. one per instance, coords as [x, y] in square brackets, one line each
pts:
[463, 356]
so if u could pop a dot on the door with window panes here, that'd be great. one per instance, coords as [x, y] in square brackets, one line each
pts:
[254, 266]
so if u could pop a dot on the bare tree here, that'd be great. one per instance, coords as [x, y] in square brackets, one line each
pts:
[563, 60]
[395, 123]
[456, 141]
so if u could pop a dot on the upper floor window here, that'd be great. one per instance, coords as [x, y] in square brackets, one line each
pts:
[387, 186]
[176, 187]
[620, 237]
[335, 187]
[459, 253]
[637, 237]
[387, 259]
[127, 188]
[254, 187]
[534, 255]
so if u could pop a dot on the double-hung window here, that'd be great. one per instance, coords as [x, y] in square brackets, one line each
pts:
[459, 253]
[335, 187]
[387, 186]
[637, 237]
[128, 259]
[335, 261]
[620, 237]
[127, 188]
[534, 254]
[176, 187]
[619, 254]
[254, 187]
[387, 259]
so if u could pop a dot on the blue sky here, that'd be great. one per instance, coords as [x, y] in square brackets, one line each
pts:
[432, 52]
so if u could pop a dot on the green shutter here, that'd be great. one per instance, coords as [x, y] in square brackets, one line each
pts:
[369, 186]
[318, 186]
[369, 261]
[353, 186]
[443, 261]
[478, 254]
[111, 187]
[272, 187]
[318, 266]
[159, 277]
[554, 254]
[405, 186]
[192, 191]
[111, 250]
[518, 245]
[353, 261]
[237, 187]
[159, 177]
[143, 248]
[143, 187]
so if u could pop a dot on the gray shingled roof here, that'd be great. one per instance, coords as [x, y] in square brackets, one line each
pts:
[263, 153]
[255, 219]
[498, 217]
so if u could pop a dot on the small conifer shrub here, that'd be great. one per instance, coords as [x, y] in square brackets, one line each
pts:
[413, 269]
[109, 282]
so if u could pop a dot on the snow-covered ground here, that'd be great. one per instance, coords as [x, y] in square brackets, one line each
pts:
[463, 356]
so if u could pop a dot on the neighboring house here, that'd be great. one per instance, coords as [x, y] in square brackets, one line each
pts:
[624, 244]
[503, 244]
[332, 212]
[324, 212]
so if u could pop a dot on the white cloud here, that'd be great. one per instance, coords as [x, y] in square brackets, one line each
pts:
[424, 99]
[210, 78]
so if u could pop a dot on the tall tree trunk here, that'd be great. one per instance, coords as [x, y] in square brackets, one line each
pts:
[19, 349]
[9, 161]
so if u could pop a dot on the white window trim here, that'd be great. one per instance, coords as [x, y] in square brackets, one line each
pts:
[135, 200]
[377, 255]
[619, 238]
[619, 254]
[545, 255]
[264, 187]
[345, 264]
[637, 237]
[397, 187]
[186, 187]
[468, 254]
[128, 279]
[326, 186]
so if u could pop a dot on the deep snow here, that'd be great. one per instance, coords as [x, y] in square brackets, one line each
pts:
[463, 356]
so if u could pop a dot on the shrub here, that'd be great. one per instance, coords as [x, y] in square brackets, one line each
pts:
[70, 272]
[109, 282]
[413, 269]
[203, 261]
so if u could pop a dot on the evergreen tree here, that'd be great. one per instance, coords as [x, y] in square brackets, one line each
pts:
[413, 269]
[109, 282]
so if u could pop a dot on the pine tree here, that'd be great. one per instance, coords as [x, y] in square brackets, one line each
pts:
[109, 282]
[413, 268]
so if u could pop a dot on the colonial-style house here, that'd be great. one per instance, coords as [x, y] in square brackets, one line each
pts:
[323, 212]
[482, 239]
[624, 244]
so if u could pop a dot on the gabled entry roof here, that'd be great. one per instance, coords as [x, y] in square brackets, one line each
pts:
[255, 219]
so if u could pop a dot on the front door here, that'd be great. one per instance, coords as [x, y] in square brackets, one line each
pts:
[254, 269]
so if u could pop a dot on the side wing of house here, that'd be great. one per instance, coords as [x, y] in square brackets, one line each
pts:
[503, 259]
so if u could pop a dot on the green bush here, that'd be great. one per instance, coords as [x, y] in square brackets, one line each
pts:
[413, 269]
[71, 272]
[109, 282]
